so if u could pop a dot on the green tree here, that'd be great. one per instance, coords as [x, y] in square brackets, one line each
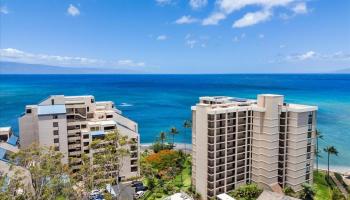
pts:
[337, 195]
[289, 191]
[330, 150]
[307, 193]
[42, 167]
[317, 152]
[173, 132]
[162, 137]
[187, 125]
[108, 152]
[247, 192]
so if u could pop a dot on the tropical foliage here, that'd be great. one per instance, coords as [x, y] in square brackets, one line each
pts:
[247, 192]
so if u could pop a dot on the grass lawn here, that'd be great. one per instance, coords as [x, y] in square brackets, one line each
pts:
[323, 189]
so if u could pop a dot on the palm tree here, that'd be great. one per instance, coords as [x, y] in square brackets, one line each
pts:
[317, 152]
[187, 125]
[330, 150]
[307, 192]
[173, 132]
[162, 137]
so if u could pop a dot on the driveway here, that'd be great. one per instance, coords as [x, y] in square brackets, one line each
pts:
[126, 191]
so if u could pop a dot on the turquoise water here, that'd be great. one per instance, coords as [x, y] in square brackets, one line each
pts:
[158, 102]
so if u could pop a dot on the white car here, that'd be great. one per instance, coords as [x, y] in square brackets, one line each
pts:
[139, 194]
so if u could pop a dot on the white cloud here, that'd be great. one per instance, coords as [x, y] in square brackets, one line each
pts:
[196, 41]
[261, 36]
[4, 10]
[72, 10]
[213, 19]
[186, 20]
[312, 55]
[239, 38]
[162, 37]
[163, 2]
[191, 43]
[130, 63]
[15, 55]
[282, 46]
[250, 19]
[300, 8]
[196, 4]
[265, 10]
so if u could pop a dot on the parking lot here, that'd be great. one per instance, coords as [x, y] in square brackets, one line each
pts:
[126, 191]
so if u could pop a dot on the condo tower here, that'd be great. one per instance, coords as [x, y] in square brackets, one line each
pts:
[237, 141]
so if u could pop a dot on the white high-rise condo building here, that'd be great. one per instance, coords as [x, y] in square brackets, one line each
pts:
[237, 141]
[71, 123]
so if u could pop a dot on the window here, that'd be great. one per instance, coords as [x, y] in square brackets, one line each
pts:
[52, 102]
[88, 109]
[109, 116]
[83, 126]
[55, 132]
[29, 111]
[86, 143]
[92, 100]
[55, 124]
[54, 116]
[56, 140]
[86, 136]
[57, 148]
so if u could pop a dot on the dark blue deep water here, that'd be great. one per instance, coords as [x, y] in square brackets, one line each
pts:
[158, 102]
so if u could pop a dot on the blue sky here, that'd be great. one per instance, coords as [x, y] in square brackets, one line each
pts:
[179, 36]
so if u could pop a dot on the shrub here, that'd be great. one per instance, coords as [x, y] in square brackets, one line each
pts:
[247, 192]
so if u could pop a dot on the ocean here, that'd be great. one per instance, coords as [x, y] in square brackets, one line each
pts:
[158, 102]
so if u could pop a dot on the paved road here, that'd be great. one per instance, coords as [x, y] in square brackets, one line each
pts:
[126, 191]
[339, 185]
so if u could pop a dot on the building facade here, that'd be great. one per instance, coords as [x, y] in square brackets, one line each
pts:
[71, 123]
[237, 141]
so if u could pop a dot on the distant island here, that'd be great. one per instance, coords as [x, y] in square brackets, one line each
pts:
[23, 68]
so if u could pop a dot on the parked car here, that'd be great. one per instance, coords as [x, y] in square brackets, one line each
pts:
[136, 183]
[139, 194]
[96, 195]
[141, 188]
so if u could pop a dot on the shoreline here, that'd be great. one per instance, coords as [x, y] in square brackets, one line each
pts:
[188, 147]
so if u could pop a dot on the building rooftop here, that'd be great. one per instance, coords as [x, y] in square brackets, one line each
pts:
[224, 196]
[13, 140]
[97, 133]
[51, 109]
[5, 129]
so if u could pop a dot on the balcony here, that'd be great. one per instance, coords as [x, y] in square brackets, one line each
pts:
[241, 143]
[242, 128]
[220, 131]
[210, 178]
[210, 147]
[211, 140]
[211, 171]
[230, 166]
[220, 161]
[231, 137]
[211, 155]
[231, 122]
[231, 129]
[231, 115]
[211, 117]
[220, 147]
[242, 121]
[220, 116]
[211, 125]
[231, 144]
[211, 132]
[242, 114]
[210, 163]
[220, 154]
[220, 139]
[230, 159]
[220, 124]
